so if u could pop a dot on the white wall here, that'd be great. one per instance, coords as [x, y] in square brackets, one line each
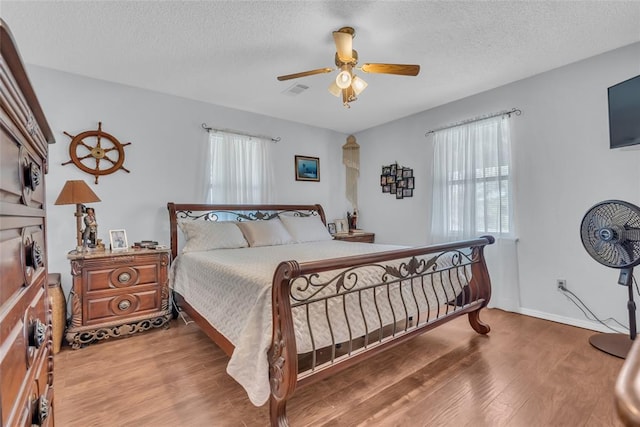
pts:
[563, 167]
[165, 157]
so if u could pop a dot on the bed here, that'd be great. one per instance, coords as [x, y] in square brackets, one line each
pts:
[291, 306]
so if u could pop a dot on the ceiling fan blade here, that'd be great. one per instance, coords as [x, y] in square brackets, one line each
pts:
[344, 45]
[305, 73]
[400, 69]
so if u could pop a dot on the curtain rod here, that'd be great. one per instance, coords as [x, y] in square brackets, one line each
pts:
[209, 129]
[515, 111]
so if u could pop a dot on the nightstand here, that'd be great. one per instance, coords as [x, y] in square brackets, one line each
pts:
[117, 293]
[356, 236]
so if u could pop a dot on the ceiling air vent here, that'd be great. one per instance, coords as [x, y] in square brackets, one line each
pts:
[295, 90]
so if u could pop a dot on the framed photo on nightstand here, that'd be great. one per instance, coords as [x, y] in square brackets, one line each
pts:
[341, 226]
[332, 227]
[118, 239]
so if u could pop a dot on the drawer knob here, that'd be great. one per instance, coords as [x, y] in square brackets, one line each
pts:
[34, 255]
[32, 175]
[38, 334]
[41, 411]
[123, 277]
[124, 305]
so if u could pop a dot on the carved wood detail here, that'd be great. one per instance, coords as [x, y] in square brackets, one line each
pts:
[78, 339]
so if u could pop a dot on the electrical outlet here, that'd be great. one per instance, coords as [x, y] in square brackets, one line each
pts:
[562, 284]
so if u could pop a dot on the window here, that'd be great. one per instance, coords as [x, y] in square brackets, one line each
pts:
[472, 181]
[238, 169]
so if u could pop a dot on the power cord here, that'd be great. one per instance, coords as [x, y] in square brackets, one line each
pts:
[180, 313]
[587, 311]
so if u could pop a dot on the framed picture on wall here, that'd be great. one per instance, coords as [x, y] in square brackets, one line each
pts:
[307, 168]
[410, 183]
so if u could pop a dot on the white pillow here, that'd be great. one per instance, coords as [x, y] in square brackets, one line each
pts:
[305, 228]
[207, 235]
[265, 233]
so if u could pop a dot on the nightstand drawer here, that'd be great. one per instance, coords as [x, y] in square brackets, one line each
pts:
[118, 307]
[123, 276]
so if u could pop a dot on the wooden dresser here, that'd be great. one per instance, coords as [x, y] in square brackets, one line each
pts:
[118, 293]
[26, 361]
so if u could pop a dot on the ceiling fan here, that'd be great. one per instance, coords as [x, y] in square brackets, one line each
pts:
[346, 82]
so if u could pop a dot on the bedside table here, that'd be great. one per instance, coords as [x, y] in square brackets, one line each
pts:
[117, 293]
[356, 236]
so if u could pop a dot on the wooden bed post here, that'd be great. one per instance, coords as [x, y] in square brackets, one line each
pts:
[173, 229]
[283, 357]
[480, 286]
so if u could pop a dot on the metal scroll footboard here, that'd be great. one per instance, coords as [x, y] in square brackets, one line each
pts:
[330, 314]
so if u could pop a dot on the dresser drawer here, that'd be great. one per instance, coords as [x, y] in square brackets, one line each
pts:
[35, 408]
[22, 248]
[25, 333]
[21, 172]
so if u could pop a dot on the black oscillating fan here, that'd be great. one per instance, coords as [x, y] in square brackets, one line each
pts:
[610, 233]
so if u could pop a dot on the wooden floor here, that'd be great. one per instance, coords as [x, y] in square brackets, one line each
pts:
[526, 372]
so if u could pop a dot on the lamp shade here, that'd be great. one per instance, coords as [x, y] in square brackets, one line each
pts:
[343, 79]
[334, 89]
[358, 85]
[75, 192]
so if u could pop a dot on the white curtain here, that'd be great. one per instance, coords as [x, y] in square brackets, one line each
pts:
[473, 196]
[238, 169]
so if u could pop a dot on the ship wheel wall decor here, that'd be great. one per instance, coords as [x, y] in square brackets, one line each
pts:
[96, 152]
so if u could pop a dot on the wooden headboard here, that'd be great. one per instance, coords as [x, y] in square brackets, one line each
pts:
[178, 211]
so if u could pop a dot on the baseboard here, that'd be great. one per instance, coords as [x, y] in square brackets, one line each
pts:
[584, 324]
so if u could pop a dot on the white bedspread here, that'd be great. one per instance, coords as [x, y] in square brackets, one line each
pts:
[231, 288]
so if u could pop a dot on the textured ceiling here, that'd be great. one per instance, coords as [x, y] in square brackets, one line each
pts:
[230, 52]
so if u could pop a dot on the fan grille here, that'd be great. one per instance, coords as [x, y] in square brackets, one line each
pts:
[610, 233]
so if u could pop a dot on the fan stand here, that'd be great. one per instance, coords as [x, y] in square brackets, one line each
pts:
[619, 344]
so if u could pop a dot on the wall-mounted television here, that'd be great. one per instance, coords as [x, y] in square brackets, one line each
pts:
[624, 113]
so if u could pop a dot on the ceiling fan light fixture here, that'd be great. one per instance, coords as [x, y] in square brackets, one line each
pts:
[334, 89]
[343, 79]
[358, 85]
[346, 83]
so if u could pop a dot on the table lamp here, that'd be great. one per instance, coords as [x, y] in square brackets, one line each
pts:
[77, 192]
